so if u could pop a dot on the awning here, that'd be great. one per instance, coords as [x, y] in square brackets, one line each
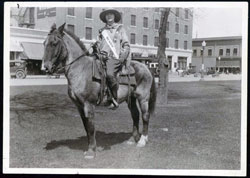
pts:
[33, 50]
[15, 46]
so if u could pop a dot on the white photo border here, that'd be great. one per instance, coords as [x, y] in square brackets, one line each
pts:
[6, 99]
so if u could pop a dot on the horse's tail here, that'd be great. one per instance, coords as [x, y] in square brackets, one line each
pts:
[153, 95]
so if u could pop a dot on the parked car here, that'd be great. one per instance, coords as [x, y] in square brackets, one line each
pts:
[18, 69]
[191, 71]
[211, 71]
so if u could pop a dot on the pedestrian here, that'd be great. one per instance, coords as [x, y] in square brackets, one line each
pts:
[114, 46]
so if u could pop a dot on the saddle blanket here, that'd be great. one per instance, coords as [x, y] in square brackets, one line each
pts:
[124, 79]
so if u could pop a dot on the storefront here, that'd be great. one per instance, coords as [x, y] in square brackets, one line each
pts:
[32, 54]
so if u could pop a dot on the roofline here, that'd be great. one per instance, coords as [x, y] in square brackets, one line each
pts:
[218, 38]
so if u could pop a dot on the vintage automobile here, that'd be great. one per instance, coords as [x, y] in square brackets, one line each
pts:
[18, 69]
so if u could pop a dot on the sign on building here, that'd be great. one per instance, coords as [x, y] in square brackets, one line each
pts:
[43, 12]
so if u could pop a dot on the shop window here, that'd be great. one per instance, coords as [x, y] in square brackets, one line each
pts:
[194, 52]
[221, 52]
[210, 52]
[235, 52]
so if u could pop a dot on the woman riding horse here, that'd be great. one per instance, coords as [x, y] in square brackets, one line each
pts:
[63, 50]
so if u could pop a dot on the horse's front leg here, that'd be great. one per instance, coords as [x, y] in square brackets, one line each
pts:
[87, 114]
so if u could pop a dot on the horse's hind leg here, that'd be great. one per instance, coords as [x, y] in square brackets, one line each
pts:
[145, 118]
[135, 116]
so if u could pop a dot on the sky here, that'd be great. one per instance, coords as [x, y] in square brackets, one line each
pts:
[217, 22]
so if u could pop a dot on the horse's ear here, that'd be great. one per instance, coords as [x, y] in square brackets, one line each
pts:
[53, 27]
[61, 28]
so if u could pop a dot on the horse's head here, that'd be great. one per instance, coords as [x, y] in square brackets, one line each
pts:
[55, 51]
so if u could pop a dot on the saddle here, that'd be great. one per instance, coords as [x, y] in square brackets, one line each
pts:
[126, 77]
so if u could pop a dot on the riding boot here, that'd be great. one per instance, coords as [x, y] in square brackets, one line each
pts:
[114, 88]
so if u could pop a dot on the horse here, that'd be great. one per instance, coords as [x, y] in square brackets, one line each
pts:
[63, 49]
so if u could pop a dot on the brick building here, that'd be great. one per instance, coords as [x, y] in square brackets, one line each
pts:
[220, 53]
[141, 24]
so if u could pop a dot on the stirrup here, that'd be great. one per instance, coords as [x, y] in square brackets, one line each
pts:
[114, 105]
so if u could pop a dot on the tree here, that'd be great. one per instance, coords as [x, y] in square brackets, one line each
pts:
[162, 93]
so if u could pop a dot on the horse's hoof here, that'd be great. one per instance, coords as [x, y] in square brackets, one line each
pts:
[131, 141]
[142, 142]
[89, 154]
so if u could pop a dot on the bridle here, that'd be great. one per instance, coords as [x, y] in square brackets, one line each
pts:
[59, 56]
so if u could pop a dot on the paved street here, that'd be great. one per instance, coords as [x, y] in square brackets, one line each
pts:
[173, 77]
[199, 129]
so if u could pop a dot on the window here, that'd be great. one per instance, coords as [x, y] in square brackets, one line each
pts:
[157, 24]
[88, 33]
[177, 28]
[227, 52]
[186, 13]
[235, 52]
[177, 12]
[176, 44]
[168, 26]
[71, 11]
[210, 52]
[145, 22]
[145, 40]
[157, 9]
[133, 20]
[89, 12]
[201, 52]
[186, 29]
[221, 52]
[71, 28]
[194, 52]
[121, 18]
[167, 42]
[132, 38]
[185, 44]
[32, 15]
[156, 42]
[175, 64]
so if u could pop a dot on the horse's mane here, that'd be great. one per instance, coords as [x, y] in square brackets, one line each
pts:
[78, 41]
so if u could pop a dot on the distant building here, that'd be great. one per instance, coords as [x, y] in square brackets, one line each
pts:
[141, 24]
[221, 53]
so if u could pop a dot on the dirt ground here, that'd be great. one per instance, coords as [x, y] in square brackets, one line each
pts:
[199, 129]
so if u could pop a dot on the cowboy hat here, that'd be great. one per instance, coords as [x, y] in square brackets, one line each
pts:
[113, 11]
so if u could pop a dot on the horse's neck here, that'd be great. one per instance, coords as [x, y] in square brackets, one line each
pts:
[74, 50]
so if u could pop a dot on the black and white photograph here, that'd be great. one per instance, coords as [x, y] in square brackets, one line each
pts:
[125, 88]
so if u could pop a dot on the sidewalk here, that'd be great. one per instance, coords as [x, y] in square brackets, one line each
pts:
[173, 77]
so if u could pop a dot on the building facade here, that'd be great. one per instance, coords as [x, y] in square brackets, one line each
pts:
[141, 24]
[220, 53]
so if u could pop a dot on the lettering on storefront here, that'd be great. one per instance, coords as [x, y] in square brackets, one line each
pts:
[43, 12]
